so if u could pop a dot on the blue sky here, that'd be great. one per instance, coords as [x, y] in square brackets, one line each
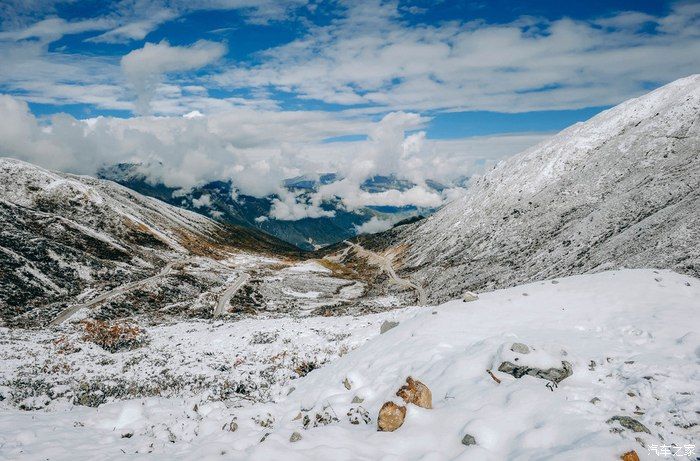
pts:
[272, 88]
[250, 30]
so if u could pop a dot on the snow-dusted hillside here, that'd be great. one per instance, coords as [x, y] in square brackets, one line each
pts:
[620, 190]
[628, 336]
[62, 234]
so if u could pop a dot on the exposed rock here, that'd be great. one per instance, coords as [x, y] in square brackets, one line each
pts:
[630, 456]
[417, 393]
[469, 296]
[323, 418]
[468, 439]
[231, 427]
[520, 348]
[595, 400]
[356, 415]
[629, 423]
[386, 326]
[556, 375]
[357, 399]
[264, 420]
[390, 417]
[347, 384]
[295, 437]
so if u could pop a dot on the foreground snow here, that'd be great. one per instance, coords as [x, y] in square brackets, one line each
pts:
[629, 335]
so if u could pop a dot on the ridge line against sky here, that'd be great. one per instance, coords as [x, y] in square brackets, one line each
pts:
[270, 89]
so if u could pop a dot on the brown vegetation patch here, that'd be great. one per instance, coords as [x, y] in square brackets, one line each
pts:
[113, 337]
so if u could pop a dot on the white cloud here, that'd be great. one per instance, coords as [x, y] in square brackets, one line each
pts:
[372, 57]
[204, 201]
[137, 29]
[256, 150]
[374, 225]
[144, 67]
[52, 29]
[289, 207]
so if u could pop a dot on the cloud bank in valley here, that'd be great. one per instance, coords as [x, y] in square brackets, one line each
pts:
[257, 150]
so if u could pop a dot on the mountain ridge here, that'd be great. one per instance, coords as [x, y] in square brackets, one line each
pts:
[620, 190]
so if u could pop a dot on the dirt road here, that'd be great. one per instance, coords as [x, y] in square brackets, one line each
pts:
[228, 294]
[385, 263]
[69, 311]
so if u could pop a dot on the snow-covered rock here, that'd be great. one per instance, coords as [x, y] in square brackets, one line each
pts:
[629, 335]
[620, 190]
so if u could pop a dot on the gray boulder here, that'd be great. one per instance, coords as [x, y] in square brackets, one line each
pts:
[556, 375]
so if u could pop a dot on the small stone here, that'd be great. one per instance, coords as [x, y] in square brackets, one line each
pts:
[469, 296]
[629, 423]
[357, 415]
[417, 393]
[295, 437]
[127, 435]
[592, 365]
[357, 399]
[386, 326]
[468, 440]
[630, 456]
[297, 417]
[520, 348]
[347, 384]
[391, 417]
[264, 437]
[554, 282]
[595, 400]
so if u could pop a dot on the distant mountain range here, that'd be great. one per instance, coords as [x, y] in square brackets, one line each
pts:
[222, 203]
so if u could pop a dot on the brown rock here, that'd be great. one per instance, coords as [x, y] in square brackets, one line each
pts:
[630, 456]
[417, 393]
[391, 417]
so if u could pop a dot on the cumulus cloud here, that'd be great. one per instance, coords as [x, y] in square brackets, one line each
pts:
[374, 225]
[204, 201]
[258, 150]
[144, 67]
[289, 207]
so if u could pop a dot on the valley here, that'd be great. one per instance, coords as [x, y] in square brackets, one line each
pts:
[130, 326]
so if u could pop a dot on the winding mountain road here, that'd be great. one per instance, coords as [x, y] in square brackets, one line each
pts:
[69, 311]
[385, 263]
[229, 292]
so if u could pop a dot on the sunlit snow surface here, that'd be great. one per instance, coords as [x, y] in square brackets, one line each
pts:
[639, 327]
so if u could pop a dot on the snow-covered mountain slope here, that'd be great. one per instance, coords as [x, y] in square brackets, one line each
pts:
[620, 190]
[61, 234]
[628, 336]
